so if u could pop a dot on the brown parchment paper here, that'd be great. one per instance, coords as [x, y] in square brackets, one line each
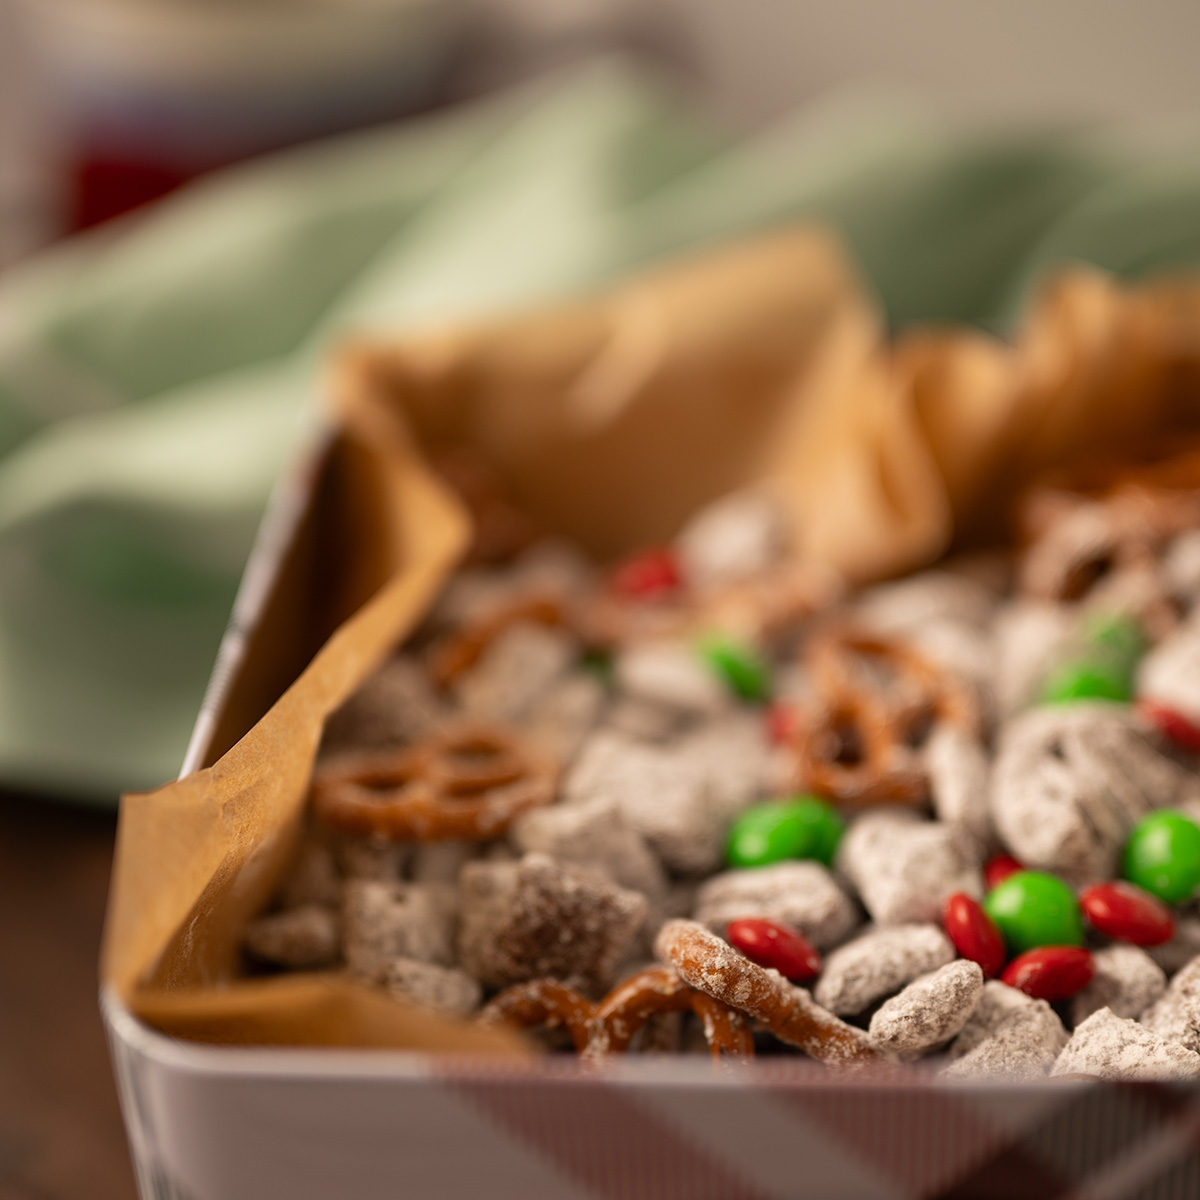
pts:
[610, 420]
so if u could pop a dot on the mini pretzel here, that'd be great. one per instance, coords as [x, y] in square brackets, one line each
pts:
[458, 653]
[543, 1003]
[468, 782]
[713, 966]
[658, 990]
[610, 1026]
[1111, 542]
[855, 745]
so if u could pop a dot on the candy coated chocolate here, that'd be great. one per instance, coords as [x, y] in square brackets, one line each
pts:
[774, 947]
[1172, 724]
[997, 870]
[802, 827]
[1163, 856]
[1126, 913]
[1033, 908]
[974, 934]
[648, 575]
[1097, 679]
[1051, 972]
[739, 667]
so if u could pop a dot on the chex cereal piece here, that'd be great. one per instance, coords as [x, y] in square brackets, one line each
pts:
[383, 921]
[1176, 1014]
[396, 705]
[1169, 673]
[554, 566]
[370, 857]
[643, 720]
[1126, 981]
[930, 1010]
[905, 868]
[998, 1005]
[672, 676]
[732, 539]
[959, 770]
[1008, 1041]
[1071, 781]
[594, 834]
[538, 918]
[661, 793]
[445, 989]
[1181, 568]
[314, 877]
[1174, 955]
[801, 895]
[879, 963]
[734, 753]
[300, 938]
[515, 671]
[1113, 1047]
[1030, 639]
[907, 606]
[562, 719]
[966, 653]
[441, 862]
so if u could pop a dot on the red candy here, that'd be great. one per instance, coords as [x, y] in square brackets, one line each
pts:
[1050, 972]
[1172, 724]
[998, 869]
[782, 720]
[1123, 911]
[772, 946]
[974, 934]
[648, 575]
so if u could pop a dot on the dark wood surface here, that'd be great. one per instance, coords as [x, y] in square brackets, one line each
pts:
[61, 1136]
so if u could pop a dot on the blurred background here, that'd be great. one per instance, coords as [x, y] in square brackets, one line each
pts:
[107, 102]
[165, 312]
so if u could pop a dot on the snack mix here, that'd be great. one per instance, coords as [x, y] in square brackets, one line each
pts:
[705, 799]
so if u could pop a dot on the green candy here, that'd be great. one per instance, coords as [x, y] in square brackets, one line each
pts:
[740, 668]
[800, 827]
[1105, 669]
[1031, 909]
[1096, 680]
[1162, 856]
[1119, 636]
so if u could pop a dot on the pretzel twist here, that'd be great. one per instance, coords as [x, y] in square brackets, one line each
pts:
[468, 782]
[456, 654]
[711, 965]
[610, 1026]
[855, 744]
[1089, 547]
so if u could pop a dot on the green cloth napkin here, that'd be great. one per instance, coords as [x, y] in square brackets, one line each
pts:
[156, 376]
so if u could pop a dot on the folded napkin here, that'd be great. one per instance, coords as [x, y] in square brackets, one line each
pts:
[157, 375]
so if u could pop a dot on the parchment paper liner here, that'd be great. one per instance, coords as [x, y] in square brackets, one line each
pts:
[610, 420]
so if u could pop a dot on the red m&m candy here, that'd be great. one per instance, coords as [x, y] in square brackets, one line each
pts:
[998, 869]
[772, 946]
[1172, 724]
[783, 720]
[974, 934]
[1050, 972]
[1127, 913]
[648, 575]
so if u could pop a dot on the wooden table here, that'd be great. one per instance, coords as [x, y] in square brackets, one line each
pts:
[61, 1136]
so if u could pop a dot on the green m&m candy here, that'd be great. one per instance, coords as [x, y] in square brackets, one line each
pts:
[1162, 856]
[1099, 680]
[1105, 667]
[1032, 909]
[1120, 637]
[801, 827]
[738, 665]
